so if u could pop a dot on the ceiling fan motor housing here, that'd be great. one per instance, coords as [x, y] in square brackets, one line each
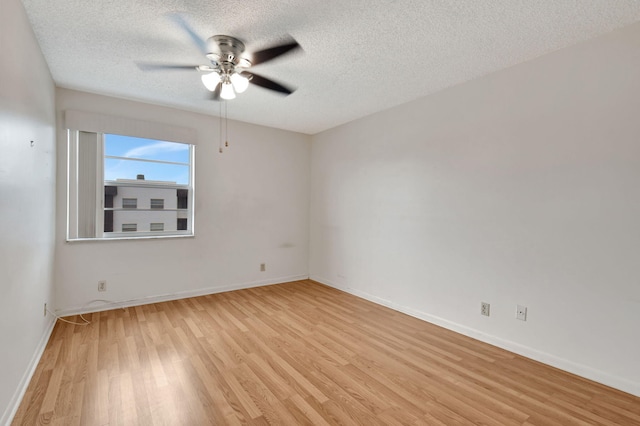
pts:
[226, 52]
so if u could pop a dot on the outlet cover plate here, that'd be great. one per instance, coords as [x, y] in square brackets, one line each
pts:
[485, 309]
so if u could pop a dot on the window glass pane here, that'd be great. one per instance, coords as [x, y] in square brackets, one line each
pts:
[129, 227]
[130, 169]
[148, 149]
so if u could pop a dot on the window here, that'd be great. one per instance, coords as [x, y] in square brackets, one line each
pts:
[157, 203]
[128, 203]
[157, 227]
[183, 199]
[122, 184]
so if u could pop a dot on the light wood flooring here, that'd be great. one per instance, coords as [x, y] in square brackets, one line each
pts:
[297, 353]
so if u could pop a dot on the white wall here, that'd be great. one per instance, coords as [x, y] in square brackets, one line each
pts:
[27, 203]
[251, 207]
[522, 187]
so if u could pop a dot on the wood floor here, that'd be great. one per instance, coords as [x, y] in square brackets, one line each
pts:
[296, 353]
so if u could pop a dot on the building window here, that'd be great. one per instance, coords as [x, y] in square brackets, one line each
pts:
[109, 193]
[183, 198]
[109, 197]
[108, 221]
[157, 203]
[157, 227]
[129, 227]
[129, 203]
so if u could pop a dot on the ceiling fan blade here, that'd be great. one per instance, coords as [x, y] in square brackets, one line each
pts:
[146, 66]
[271, 53]
[182, 23]
[267, 83]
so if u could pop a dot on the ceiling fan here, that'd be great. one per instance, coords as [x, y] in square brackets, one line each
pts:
[227, 72]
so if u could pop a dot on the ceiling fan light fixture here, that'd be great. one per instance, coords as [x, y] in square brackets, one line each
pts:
[210, 80]
[227, 91]
[240, 82]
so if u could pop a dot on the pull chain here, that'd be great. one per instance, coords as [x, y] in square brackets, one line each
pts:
[226, 126]
[220, 115]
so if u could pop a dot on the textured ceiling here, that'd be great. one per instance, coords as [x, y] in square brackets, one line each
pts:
[360, 56]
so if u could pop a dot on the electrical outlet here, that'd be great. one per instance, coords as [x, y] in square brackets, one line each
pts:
[263, 267]
[45, 309]
[485, 308]
[102, 285]
[521, 312]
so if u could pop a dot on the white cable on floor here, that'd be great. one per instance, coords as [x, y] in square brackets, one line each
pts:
[86, 321]
[70, 322]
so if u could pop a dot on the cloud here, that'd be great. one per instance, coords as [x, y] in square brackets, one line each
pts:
[156, 148]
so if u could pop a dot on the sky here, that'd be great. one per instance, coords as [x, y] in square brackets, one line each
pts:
[145, 149]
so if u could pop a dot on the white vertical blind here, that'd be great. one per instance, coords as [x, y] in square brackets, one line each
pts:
[87, 184]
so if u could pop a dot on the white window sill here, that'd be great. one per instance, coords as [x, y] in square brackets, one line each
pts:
[139, 237]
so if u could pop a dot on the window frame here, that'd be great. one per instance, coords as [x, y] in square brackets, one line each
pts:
[73, 165]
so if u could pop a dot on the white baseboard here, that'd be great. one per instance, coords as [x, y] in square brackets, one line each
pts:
[13, 406]
[526, 351]
[103, 306]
